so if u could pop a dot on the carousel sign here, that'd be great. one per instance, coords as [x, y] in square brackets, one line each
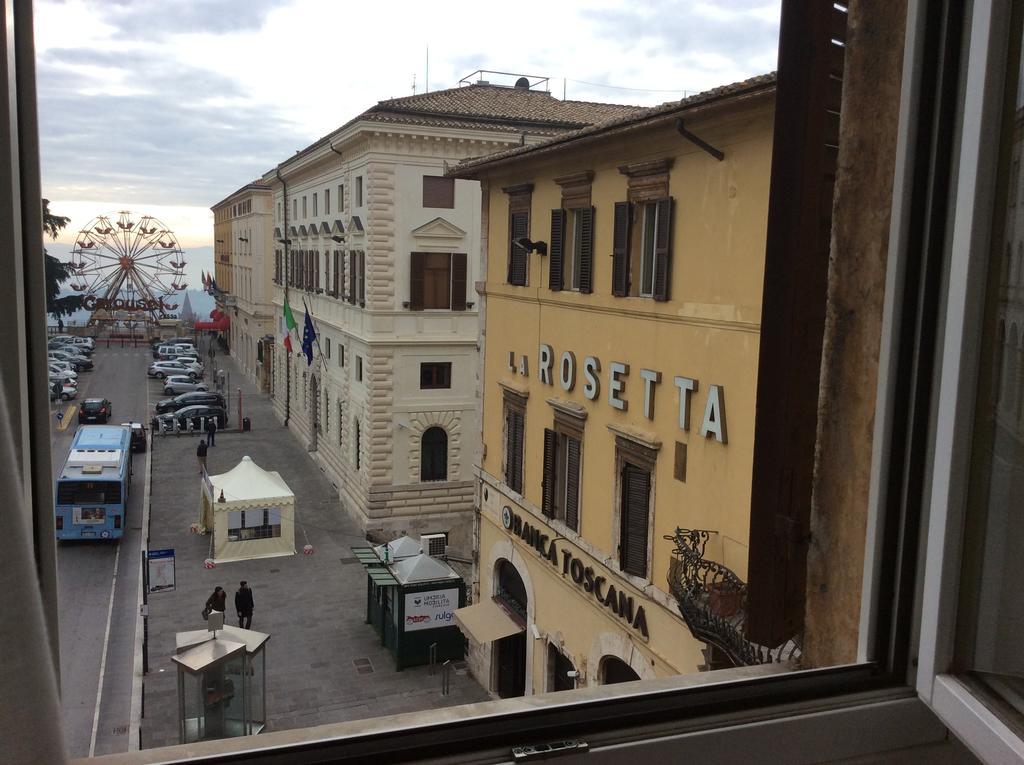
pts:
[93, 303]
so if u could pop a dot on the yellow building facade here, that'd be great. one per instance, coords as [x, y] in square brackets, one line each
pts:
[624, 268]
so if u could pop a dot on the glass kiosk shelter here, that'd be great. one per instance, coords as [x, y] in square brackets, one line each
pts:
[222, 689]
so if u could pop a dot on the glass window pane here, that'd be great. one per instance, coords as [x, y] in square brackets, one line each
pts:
[992, 602]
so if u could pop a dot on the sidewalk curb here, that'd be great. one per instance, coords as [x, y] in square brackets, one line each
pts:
[135, 715]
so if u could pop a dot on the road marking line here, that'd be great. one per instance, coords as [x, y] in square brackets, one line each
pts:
[103, 659]
[68, 414]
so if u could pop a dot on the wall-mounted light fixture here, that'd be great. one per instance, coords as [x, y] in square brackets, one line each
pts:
[524, 243]
[242, 239]
[337, 238]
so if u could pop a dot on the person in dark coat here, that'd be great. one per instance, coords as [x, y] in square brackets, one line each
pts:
[201, 455]
[218, 601]
[244, 605]
[211, 431]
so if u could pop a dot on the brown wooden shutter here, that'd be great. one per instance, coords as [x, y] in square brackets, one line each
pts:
[352, 277]
[416, 263]
[636, 491]
[572, 483]
[556, 249]
[797, 245]
[547, 486]
[362, 277]
[663, 249]
[519, 227]
[586, 249]
[514, 450]
[459, 277]
[620, 249]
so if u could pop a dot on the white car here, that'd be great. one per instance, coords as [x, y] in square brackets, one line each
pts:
[176, 384]
[162, 369]
[62, 373]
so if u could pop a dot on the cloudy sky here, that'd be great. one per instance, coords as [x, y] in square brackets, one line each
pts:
[166, 107]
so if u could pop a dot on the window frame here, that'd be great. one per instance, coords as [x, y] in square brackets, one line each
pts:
[445, 379]
[438, 192]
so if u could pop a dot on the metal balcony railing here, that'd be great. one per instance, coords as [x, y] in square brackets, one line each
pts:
[713, 601]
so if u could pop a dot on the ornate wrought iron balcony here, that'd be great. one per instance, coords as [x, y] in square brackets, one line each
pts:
[713, 601]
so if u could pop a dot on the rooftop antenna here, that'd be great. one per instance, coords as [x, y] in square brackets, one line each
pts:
[426, 87]
[414, 83]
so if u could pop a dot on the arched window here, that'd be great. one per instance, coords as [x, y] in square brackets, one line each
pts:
[434, 455]
[615, 670]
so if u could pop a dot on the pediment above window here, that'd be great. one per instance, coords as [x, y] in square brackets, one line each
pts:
[439, 228]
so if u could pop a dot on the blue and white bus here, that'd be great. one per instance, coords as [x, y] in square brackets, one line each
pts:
[92, 490]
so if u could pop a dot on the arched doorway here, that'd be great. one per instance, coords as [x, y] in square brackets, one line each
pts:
[510, 661]
[314, 412]
[615, 670]
[434, 455]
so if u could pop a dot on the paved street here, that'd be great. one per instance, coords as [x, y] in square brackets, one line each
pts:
[323, 663]
[86, 577]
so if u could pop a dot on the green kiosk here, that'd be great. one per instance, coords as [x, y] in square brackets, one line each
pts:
[411, 599]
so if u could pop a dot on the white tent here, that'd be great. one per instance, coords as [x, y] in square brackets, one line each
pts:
[251, 512]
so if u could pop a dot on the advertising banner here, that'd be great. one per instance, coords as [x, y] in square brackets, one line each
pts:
[429, 610]
[161, 570]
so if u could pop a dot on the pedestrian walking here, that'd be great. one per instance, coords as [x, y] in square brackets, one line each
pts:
[60, 325]
[244, 605]
[218, 601]
[211, 431]
[201, 455]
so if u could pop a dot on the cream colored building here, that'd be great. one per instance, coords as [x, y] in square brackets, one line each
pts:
[624, 270]
[382, 250]
[243, 227]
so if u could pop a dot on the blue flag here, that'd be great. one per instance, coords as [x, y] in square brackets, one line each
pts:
[308, 338]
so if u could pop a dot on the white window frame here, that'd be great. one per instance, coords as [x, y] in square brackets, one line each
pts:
[575, 251]
[648, 221]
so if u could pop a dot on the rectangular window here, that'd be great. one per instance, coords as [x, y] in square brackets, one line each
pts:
[327, 201]
[359, 368]
[254, 524]
[518, 257]
[358, 439]
[315, 213]
[435, 375]
[359, 191]
[341, 355]
[278, 211]
[362, 278]
[341, 420]
[515, 429]
[352, 274]
[560, 487]
[341, 197]
[437, 280]
[304, 214]
[295, 208]
[649, 222]
[635, 485]
[438, 191]
[327, 347]
[571, 249]
[575, 250]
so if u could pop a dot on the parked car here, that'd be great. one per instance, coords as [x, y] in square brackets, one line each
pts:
[162, 369]
[194, 414]
[63, 373]
[138, 435]
[191, 399]
[95, 410]
[176, 384]
[55, 378]
[174, 349]
[67, 392]
[61, 364]
[78, 360]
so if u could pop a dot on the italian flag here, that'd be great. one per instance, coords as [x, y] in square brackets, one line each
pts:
[289, 324]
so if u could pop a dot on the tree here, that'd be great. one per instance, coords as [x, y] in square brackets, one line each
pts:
[56, 272]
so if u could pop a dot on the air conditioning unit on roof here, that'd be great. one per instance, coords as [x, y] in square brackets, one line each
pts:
[434, 545]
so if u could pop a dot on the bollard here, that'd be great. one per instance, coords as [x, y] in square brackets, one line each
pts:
[433, 659]
[446, 677]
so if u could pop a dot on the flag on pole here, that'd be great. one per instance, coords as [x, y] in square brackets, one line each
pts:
[308, 338]
[289, 324]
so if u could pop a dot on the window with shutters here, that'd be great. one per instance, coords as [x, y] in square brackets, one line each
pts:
[519, 200]
[315, 212]
[571, 250]
[634, 466]
[352, 273]
[435, 375]
[645, 256]
[560, 489]
[359, 368]
[304, 208]
[327, 201]
[434, 455]
[362, 277]
[359, 191]
[515, 429]
[437, 280]
[438, 191]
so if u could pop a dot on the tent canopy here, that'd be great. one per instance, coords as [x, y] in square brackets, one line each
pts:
[247, 482]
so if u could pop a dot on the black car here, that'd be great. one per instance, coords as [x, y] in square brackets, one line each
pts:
[138, 435]
[95, 410]
[194, 414]
[208, 398]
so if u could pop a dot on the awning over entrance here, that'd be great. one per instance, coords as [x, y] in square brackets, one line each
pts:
[487, 621]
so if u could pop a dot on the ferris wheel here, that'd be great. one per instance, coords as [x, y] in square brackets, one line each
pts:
[140, 259]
